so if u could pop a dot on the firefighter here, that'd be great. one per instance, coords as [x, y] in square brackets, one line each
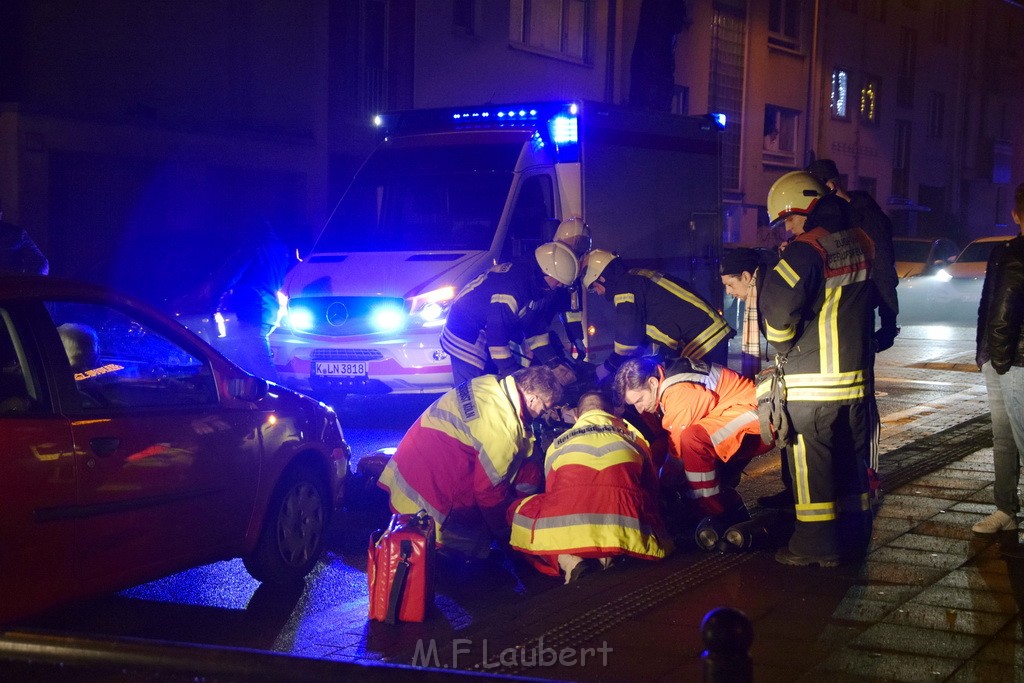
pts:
[710, 415]
[817, 305]
[651, 307]
[599, 501]
[509, 304]
[461, 459]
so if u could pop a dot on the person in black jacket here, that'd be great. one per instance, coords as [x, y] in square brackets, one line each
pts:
[1001, 358]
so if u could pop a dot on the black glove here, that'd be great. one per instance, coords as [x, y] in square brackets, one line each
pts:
[885, 337]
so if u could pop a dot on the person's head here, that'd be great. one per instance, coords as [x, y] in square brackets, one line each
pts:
[575, 234]
[593, 400]
[595, 263]
[1018, 207]
[539, 388]
[792, 197]
[827, 173]
[737, 268]
[637, 382]
[82, 346]
[558, 264]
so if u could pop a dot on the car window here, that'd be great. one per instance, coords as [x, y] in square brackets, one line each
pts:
[18, 390]
[977, 251]
[120, 361]
[916, 252]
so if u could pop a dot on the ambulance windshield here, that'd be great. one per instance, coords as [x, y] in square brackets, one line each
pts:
[419, 198]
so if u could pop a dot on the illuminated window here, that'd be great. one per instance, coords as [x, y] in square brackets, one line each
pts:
[559, 27]
[784, 23]
[869, 102]
[840, 94]
[781, 132]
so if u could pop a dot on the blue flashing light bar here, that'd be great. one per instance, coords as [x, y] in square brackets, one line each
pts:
[564, 130]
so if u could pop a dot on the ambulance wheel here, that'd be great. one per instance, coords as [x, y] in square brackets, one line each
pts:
[293, 531]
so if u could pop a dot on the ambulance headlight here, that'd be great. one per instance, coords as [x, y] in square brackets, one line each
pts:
[300, 318]
[431, 308]
[387, 318]
[942, 275]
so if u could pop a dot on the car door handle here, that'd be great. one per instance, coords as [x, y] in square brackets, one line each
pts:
[104, 445]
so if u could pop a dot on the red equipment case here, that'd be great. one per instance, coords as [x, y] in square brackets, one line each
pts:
[400, 569]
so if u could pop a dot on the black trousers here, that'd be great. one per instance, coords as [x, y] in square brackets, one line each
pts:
[830, 486]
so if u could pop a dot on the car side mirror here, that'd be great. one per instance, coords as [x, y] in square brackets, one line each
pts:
[248, 388]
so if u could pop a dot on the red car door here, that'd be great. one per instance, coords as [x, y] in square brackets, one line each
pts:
[167, 474]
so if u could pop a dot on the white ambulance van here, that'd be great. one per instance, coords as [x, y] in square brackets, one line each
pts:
[450, 192]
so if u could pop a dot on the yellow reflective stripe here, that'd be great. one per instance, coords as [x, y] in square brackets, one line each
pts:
[686, 295]
[627, 298]
[506, 299]
[624, 349]
[828, 331]
[776, 334]
[816, 512]
[660, 337]
[800, 483]
[499, 352]
[404, 497]
[584, 531]
[538, 340]
[707, 340]
[824, 379]
[854, 503]
[786, 272]
[574, 316]
[596, 459]
[826, 394]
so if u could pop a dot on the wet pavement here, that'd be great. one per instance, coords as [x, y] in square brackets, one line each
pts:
[931, 602]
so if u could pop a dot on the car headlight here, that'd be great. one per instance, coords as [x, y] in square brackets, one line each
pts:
[942, 275]
[387, 318]
[299, 318]
[431, 308]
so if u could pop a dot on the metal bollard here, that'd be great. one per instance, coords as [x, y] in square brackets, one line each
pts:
[728, 635]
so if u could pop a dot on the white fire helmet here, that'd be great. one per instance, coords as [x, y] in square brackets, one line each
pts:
[575, 234]
[595, 262]
[794, 193]
[558, 261]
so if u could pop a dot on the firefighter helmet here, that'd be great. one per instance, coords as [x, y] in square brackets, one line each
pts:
[794, 193]
[595, 262]
[575, 234]
[557, 260]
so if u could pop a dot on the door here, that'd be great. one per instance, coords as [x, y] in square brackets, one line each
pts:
[167, 475]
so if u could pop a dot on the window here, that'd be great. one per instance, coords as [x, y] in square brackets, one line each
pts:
[118, 361]
[784, 23]
[728, 59]
[559, 27]
[940, 22]
[901, 160]
[532, 222]
[840, 94]
[869, 102]
[936, 113]
[907, 64]
[19, 391]
[464, 16]
[681, 101]
[781, 131]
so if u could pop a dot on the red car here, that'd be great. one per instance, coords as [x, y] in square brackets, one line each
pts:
[131, 450]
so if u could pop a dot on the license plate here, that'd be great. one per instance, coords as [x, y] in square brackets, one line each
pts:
[340, 369]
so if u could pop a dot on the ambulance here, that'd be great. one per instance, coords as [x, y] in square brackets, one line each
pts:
[449, 193]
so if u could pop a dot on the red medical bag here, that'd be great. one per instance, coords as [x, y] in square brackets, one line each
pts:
[400, 569]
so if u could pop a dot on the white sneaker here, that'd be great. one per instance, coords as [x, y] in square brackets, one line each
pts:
[997, 521]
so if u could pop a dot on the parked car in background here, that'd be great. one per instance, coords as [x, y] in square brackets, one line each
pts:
[970, 263]
[922, 255]
[132, 450]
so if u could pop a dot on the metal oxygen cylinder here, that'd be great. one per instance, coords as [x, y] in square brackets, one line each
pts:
[748, 534]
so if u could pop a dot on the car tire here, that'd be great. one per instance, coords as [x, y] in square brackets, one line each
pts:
[294, 529]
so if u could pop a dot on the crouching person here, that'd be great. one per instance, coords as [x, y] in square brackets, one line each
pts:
[599, 501]
[461, 459]
[710, 414]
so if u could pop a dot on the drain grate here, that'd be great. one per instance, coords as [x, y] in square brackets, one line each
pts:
[903, 465]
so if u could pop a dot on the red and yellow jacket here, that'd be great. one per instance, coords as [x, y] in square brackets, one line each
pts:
[599, 500]
[459, 462]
